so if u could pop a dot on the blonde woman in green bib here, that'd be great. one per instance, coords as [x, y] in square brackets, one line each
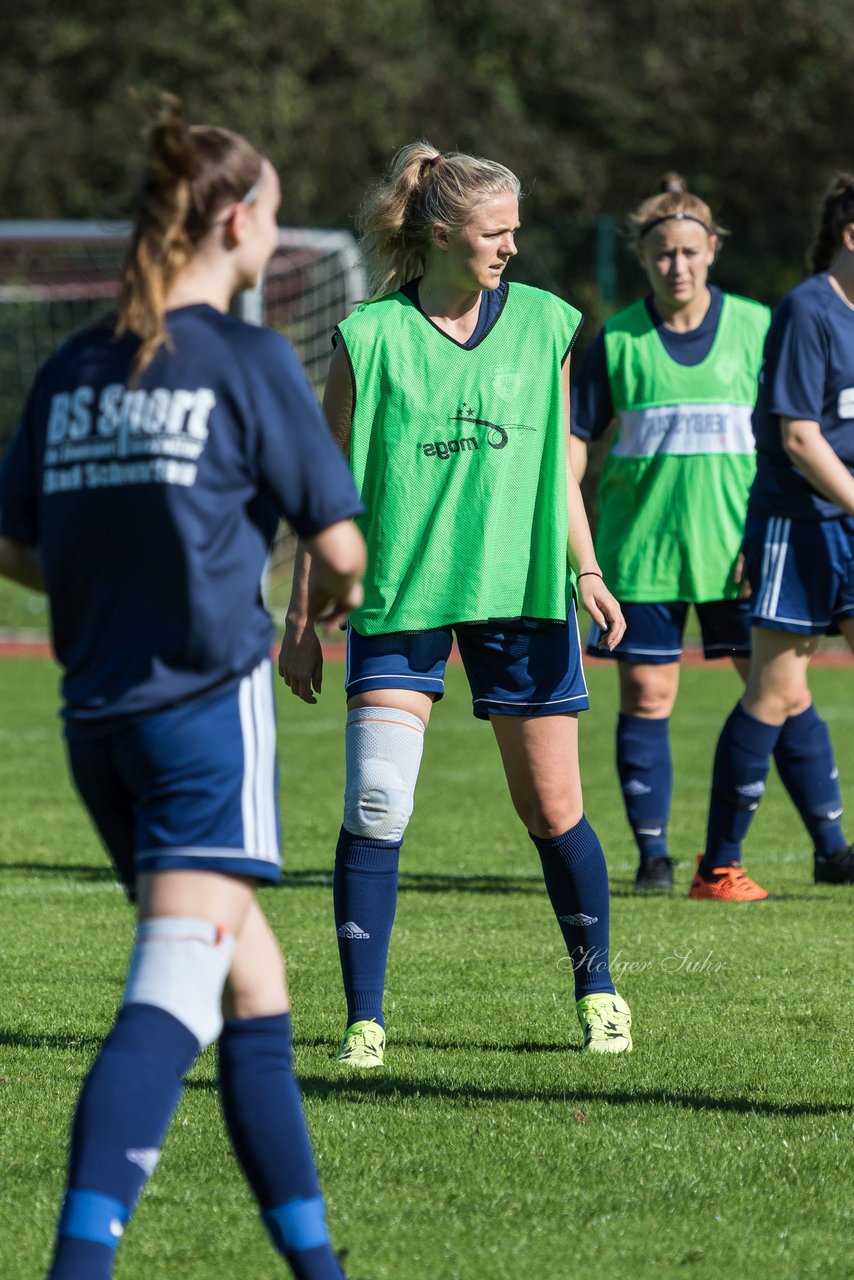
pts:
[449, 391]
[678, 373]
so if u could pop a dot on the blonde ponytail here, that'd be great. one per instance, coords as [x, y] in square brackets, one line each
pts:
[422, 187]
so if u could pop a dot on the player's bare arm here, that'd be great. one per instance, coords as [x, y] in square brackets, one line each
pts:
[578, 457]
[301, 656]
[592, 591]
[807, 448]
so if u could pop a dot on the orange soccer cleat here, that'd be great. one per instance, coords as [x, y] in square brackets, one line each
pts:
[730, 884]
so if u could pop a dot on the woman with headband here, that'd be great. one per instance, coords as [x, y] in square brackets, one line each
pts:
[678, 371]
[449, 391]
[799, 552]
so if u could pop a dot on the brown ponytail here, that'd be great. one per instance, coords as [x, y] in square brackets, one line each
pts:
[191, 174]
[836, 214]
[673, 201]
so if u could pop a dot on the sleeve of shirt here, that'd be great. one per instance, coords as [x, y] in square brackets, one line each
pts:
[18, 492]
[591, 406]
[299, 461]
[796, 362]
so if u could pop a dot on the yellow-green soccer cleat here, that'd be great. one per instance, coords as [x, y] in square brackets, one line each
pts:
[363, 1045]
[606, 1021]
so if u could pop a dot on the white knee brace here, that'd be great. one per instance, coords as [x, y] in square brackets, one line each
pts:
[180, 965]
[384, 749]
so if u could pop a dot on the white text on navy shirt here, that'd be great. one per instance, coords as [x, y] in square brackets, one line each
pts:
[165, 430]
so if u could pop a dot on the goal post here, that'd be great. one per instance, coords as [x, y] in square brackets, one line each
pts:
[57, 277]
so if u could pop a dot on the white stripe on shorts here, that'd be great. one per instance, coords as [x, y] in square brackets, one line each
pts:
[773, 566]
[268, 847]
[580, 651]
[258, 730]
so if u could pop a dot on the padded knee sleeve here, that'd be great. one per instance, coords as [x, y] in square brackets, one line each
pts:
[384, 749]
[180, 965]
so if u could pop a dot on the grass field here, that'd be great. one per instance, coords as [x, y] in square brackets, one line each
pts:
[489, 1148]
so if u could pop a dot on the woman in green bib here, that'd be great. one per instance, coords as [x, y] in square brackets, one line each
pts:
[677, 371]
[449, 393]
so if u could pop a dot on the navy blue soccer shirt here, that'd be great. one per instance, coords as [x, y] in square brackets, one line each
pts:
[154, 506]
[592, 406]
[807, 373]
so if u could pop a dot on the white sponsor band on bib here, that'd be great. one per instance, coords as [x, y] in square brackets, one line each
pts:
[685, 429]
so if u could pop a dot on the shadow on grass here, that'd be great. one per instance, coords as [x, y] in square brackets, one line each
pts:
[620, 888]
[410, 882]
[390, 1088]
[429, 882]
[68, 870]
[72, 1042]
[434, 1044]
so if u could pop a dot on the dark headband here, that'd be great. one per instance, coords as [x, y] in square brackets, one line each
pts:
[667, 217]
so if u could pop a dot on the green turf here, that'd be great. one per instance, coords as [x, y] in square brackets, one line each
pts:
[489, 1147]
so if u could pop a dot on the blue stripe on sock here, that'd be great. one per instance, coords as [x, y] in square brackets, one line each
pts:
[87, 1215]
[297, 1225]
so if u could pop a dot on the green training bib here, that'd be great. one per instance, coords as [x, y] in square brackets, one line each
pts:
[673, 493]
[459, 457]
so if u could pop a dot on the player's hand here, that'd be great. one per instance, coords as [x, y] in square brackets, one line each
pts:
[603, 609]
[332, 611]
[301, 661]
[741, 579]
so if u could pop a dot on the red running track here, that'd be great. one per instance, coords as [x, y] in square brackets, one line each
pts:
[335, 651]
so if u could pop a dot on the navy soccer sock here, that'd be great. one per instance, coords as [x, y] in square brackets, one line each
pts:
[577, 882]
[364, 892]
[742, 761]
[805, 762]
[263, 1111]
[122, 1116]
[645, 769]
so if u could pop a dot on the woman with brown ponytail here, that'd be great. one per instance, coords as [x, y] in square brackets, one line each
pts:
[799, 549]
[156, 455]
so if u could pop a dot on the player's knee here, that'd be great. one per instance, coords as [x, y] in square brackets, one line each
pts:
[550, 816]
[648, 701]
[180, 965]
[384, 749]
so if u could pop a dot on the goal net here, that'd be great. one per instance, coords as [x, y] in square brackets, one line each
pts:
[56, 277]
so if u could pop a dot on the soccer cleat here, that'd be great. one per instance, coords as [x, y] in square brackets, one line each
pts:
[837, 869]
[363, 1044]
[654, 873]
[606, 1022]
[728, 884]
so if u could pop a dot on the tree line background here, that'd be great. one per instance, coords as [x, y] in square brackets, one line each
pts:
[588, 100]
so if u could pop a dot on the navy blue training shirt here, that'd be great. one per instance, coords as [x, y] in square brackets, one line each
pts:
[590, 395]
[807, 373]
[154, 506]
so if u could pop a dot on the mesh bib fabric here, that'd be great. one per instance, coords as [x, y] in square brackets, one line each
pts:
[673, 493]
[459, 457]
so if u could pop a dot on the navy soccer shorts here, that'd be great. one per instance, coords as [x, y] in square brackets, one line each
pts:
[193, 787]
[802, 572]
[654, 631]
[521, 667]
